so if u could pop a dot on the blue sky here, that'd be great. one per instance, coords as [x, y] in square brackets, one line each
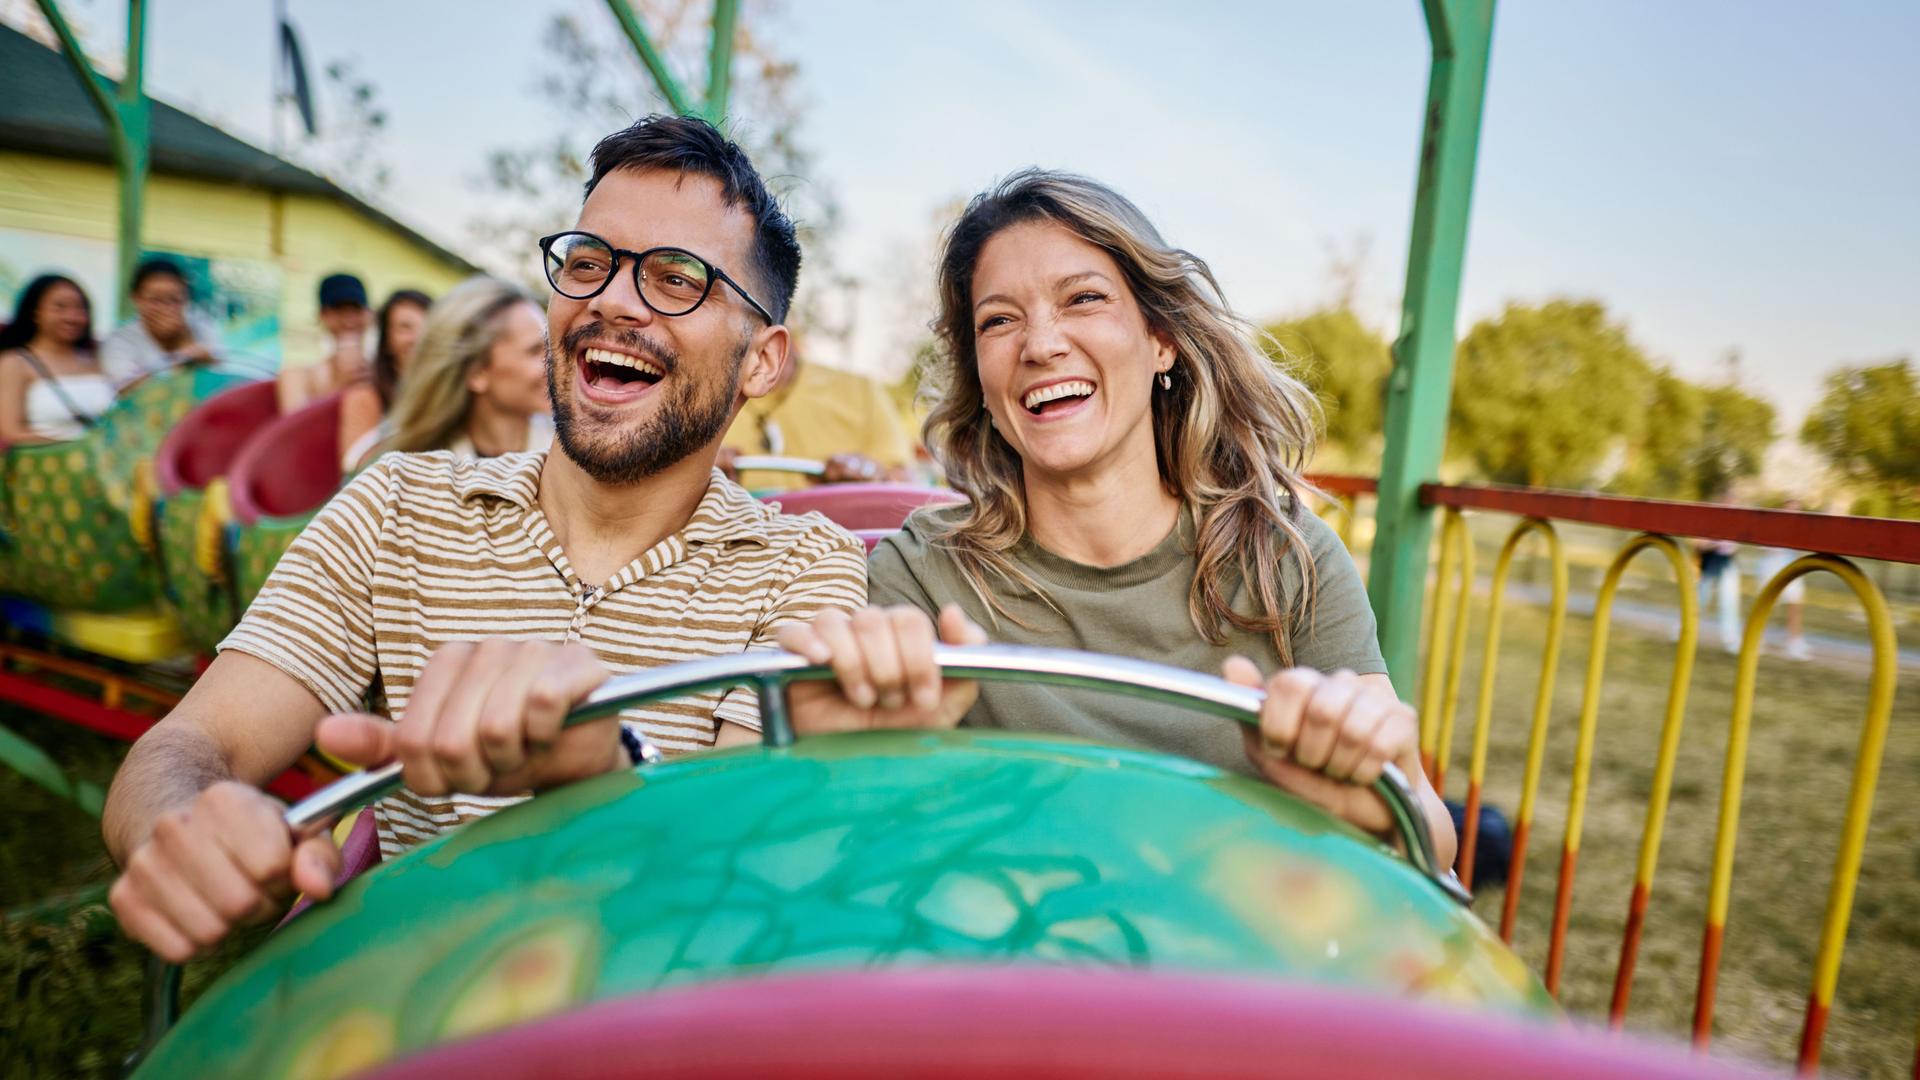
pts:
[1725, 174]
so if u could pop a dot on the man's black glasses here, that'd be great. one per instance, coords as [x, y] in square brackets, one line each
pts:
[672, 281]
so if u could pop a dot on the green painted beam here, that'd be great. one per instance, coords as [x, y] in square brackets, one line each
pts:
[1421, 386]
[127, 115]
[726, 14]
[656, 64]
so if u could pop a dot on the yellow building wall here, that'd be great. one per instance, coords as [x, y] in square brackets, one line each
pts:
[313, 236]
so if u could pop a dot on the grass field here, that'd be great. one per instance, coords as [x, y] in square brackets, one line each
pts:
[73, 985]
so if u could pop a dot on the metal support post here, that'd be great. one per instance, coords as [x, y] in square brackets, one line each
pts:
[726, 13]
[128, 118]
[1422, 381]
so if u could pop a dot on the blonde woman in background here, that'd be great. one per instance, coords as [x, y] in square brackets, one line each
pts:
[1133, 463]
[477, 384]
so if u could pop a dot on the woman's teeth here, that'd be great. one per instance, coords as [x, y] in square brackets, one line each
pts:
[1070, 388]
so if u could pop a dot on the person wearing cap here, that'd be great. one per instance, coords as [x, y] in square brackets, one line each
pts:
[347, 322]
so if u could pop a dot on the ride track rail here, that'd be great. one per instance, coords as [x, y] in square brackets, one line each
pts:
[1653, 525]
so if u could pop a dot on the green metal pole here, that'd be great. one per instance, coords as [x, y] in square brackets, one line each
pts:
[127, 116]
[132, 150]
[1421, 385]
[720, 60]
[656, 64]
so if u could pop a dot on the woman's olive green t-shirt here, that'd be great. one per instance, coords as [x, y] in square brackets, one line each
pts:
[1138, 609]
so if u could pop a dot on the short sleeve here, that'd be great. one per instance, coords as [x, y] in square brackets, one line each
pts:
[313, 618]
[828, 572]
[120, 356]
[1339, 631]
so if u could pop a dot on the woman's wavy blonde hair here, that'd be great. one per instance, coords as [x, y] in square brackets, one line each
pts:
[1232, 434]
[430, 410]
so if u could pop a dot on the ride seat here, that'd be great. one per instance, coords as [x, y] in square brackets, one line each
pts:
[289, 467]
[864, 506]
[203, 445]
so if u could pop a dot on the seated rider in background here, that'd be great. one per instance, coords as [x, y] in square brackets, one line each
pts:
[1133, 461]
[478, 384]
[823, 414]
[365, 403]
[167, 331]
[488, 597]
[347, 323]
[51, 385]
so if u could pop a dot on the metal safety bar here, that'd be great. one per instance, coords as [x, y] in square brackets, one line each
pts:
[1053, 667]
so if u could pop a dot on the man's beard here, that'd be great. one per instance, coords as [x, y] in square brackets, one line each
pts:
[685, 420]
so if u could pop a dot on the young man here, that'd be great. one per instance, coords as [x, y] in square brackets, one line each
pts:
[347, 322]
[526, 578]
[167, 332]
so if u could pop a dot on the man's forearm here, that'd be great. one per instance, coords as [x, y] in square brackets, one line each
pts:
[167, 768]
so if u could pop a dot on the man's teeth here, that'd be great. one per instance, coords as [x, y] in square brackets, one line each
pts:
[607, 356]
[1071, 388]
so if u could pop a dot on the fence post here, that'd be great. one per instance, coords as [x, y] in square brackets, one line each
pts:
[1422, 381]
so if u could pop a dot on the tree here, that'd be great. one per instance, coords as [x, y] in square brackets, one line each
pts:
[1545, 394]
[1867, 426]
[596, 85]
[1346, 363]
[350, 146]
[1697, 441]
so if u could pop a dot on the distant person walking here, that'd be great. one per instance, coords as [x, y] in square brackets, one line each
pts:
[1793, 598]
[1720, 581]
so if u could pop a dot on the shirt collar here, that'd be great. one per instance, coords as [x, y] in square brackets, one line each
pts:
[727, 513]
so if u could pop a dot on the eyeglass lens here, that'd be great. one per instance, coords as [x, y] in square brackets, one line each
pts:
[672, 281]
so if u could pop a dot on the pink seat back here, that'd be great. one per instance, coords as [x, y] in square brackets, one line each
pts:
[864, 506]
[289, 467]
[203, 445]
[359, 853]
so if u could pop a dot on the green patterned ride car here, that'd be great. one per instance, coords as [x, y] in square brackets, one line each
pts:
[65, 536]
[852, 852]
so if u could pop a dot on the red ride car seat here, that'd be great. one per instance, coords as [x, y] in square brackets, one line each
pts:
[864, 506]
[291, 466]
[203, 445]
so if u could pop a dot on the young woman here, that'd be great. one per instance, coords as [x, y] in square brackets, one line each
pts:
[1133, 461]
[51, 385]
[365, 403]
[477, 384]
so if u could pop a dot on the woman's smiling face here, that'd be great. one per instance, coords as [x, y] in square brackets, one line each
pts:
[1065, 355]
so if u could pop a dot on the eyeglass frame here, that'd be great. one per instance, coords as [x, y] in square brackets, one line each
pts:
[639, 258]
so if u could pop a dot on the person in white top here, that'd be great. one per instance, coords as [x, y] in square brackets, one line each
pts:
[167, 333]
[51, 385]
[478, 381]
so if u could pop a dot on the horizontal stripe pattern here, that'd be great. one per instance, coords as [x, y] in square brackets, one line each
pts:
[424, 549]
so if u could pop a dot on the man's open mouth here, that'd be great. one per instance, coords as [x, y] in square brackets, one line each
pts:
[604, 369]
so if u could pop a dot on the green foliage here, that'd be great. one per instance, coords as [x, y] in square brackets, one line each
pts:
[1546, 394]
[1697, 441]
[1867, 426]
[1346, 363]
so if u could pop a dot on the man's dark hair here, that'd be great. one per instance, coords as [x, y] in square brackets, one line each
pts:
[691, 145]
[159, 266]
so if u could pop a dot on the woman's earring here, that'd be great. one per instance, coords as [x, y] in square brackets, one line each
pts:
[1166, 381]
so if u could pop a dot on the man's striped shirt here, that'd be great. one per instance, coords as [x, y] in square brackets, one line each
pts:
[423, 549]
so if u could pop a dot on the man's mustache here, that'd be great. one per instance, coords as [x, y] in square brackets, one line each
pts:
[633, 341]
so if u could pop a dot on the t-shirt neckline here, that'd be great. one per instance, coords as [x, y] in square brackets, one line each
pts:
[1173, 550]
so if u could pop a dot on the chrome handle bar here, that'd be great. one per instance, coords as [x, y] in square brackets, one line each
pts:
[799, 466]
[771, 671]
